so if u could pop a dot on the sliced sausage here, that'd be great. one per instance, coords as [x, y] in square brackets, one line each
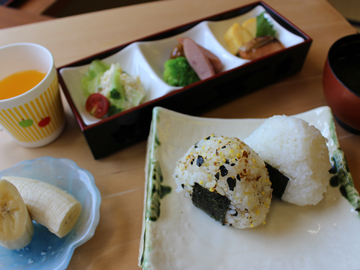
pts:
[180, 40]
[214, 60]
[197, 59]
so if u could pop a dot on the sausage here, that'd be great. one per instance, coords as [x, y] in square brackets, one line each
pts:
[214, 60]
[180, 40]
[259, 47]
[197, 59]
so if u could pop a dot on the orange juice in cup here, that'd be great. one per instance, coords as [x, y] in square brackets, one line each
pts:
[19, 83]
[30, 104]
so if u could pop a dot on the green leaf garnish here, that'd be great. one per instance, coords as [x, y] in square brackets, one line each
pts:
[113, 110]
[115, 94]
[263, 26]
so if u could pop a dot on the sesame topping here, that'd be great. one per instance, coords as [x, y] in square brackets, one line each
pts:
[199, 160]
[231, 182]
[223, 170]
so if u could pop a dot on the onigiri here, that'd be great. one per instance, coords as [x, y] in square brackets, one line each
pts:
[227, 179]
[299, 151]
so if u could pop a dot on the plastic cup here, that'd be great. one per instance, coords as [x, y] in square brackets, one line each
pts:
[36, 117]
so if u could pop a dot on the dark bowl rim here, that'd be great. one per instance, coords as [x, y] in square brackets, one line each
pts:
[333, 47]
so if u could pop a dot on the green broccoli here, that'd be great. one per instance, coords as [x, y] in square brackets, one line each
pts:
[178, 72]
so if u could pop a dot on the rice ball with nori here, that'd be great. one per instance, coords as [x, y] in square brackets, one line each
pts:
[227, 179]
[299, 151]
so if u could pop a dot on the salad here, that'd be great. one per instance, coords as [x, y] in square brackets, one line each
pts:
[110, 90]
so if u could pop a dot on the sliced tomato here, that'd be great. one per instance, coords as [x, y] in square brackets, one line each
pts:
[97, 105]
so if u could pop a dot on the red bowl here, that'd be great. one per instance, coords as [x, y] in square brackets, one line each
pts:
[341, 82]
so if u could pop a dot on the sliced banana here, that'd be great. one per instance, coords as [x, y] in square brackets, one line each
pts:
[16, 227]
[48, 205]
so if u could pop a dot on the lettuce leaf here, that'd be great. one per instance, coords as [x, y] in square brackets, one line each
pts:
[91, 80]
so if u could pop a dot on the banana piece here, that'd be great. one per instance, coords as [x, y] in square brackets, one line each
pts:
[48, 205]
[16, 227]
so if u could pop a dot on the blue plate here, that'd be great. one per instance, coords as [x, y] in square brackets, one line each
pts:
[46, 250]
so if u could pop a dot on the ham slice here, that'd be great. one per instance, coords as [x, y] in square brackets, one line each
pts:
[197, 59]
[214, 60]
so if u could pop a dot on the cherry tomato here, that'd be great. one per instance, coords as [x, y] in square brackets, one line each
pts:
[97, 105]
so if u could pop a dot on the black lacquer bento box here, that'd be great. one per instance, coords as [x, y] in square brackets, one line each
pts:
[145, 58]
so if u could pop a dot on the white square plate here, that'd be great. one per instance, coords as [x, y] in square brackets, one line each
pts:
[177, 235]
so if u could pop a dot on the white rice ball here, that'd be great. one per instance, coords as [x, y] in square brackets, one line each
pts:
[297, 150]
[227, 166]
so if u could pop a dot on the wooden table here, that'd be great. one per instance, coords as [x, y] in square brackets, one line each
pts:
[120, 177]
[10, 17]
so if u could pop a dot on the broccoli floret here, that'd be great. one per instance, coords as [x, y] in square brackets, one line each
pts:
[178, 72]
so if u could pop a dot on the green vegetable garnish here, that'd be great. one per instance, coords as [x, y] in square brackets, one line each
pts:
[113, 110]
[91, 80]
[178, 72]
[263, 26]
[117, 93]
[114, 94]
